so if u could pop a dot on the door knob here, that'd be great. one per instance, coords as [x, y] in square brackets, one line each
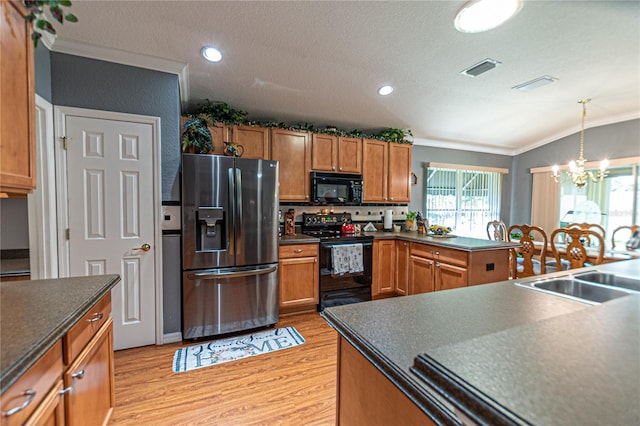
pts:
[144, 247]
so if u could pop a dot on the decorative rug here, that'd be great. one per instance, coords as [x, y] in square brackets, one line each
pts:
[234, 348]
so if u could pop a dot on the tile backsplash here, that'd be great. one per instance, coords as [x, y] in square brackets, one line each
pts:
[358, 213]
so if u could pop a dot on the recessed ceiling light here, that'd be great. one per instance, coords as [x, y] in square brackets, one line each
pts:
[385, 90]
[535, 83]
[482, 15]
[211, 54]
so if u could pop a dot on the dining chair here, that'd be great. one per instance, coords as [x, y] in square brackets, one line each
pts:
[569, 251]
[615, 236]
[592, 226]
[527, 265]
[497, 230]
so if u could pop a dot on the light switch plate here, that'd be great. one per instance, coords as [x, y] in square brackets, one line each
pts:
[170, 219]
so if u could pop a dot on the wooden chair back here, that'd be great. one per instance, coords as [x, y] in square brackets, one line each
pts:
[497, 230]
[632, 230]
[592, 226]
[529, 234]
[575, 251]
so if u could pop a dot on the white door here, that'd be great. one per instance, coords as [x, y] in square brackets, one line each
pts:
[110, 201]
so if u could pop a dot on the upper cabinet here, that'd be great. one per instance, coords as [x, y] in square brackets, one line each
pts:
[17, 120]
[293, 150]
[386, 171]
[336, 154]
[254, 140]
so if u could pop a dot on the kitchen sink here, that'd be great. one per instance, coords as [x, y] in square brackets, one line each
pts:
[593, 287]
[580, 289]
[610, 280]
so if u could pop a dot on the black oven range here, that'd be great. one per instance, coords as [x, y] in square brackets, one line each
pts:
[345, 260]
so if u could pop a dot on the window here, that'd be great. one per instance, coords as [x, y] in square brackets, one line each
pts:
[464, 198]
[611, 203]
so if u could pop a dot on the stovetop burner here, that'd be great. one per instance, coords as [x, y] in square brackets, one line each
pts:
[329, 226]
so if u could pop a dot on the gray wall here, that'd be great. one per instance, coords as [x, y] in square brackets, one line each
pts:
[88, 83]
[42, 61]
[425, 154]
[14, 224]
[612, 141]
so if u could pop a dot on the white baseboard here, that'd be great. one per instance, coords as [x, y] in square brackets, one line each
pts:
[172, 337]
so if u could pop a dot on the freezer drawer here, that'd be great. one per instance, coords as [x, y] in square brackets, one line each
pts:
[219, 301]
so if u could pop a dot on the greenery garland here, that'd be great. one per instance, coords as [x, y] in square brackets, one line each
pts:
[223, 113]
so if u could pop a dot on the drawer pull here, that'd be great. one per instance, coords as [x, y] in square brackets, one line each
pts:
[66, 390]
[30, 394]
[96, 317]
[297, 251]
[79, 375]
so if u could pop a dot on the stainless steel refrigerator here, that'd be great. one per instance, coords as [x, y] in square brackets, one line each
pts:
[229, 244]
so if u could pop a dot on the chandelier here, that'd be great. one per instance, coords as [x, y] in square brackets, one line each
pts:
[578, 175]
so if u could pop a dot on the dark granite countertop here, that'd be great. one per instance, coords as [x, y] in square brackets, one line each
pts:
[35, 314]
[298, 239]
[459, 327]
[455, 242]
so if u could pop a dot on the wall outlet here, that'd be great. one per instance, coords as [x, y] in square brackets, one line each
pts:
[170, 219]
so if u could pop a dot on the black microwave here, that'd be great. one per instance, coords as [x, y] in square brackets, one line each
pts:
[336, 188]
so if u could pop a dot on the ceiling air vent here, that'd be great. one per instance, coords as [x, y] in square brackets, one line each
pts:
[535, 83]
[481, 67]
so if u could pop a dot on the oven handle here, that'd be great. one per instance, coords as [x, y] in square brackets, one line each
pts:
[248, 273]
[329, 245]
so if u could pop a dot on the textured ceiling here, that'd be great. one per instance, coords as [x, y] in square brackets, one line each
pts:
[321, 62]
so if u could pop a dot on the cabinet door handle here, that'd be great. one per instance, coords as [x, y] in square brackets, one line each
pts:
[66, 390]
[333, 167]
[79, 375]
[96, 317]
[340, 168]
[30, 394]
[391, 198]
[297, 251]
[315, 260]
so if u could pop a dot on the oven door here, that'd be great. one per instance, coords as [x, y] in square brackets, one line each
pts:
[335, 282]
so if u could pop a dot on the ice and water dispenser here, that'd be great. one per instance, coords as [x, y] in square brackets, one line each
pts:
[210, 229]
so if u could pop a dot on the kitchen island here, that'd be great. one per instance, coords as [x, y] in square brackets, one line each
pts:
[495, 354]
[57, 332]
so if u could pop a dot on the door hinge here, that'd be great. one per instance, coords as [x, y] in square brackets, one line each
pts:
[67, 234]
[64, 142]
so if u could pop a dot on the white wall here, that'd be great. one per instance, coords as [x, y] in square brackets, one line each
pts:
[14, 223]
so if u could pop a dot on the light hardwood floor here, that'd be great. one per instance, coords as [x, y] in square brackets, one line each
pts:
[295, 386]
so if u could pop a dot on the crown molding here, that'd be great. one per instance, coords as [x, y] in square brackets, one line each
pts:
[86, 50]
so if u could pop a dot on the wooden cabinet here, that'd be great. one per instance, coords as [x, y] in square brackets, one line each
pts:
[51, 411]
[299, 277]
[436, 268]
[386, 169]
[399, 179]
[402, 268]
[336, 153]
[384, 271]
[81, 394]
[17, 102]
[91, 375]
[28, 394]
[254, 141]
[375, 169]
[293, 151]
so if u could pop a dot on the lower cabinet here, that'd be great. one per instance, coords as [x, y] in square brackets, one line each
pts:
[299, 277]
[384, 270]
[402, 267]
[73, 383]
[92, 398]
[435, 268]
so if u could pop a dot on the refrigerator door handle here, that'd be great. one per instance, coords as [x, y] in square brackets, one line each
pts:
[248, 273]
[232, 214]
[239, 207]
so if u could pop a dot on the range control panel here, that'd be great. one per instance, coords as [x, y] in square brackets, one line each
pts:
[325, 220]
